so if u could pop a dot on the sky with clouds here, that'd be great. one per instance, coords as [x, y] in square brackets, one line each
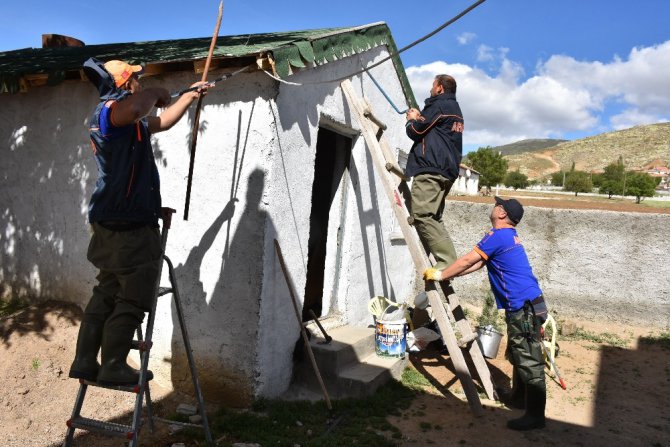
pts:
[525, 68]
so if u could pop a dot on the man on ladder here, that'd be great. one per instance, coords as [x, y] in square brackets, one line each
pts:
[123, 212]
[434, 162]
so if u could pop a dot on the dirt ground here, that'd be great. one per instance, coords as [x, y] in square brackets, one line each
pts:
[614, 396]
[563, 201]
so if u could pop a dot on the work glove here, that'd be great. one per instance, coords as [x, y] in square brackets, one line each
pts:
[432, 274]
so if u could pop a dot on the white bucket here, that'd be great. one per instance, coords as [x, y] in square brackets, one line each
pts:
[391, 338]
[489, 341]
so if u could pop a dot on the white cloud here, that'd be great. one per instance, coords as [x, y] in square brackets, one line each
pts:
[485, 53]
[466, 38]
[562, 96]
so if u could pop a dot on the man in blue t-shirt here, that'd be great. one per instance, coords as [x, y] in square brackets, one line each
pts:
[516, 290]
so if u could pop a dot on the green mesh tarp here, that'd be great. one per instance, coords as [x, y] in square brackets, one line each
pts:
[291, 50]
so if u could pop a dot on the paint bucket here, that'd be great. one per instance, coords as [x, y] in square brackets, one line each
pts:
[489, 341]
[391, 338]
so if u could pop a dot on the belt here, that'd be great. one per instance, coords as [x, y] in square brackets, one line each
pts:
[121, 225]
[536, 301]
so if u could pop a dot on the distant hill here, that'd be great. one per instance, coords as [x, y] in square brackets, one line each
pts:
[638, 146]
[532, 145]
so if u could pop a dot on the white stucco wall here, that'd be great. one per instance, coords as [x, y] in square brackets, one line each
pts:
[252, 183]
[467, 183]
[368, 265]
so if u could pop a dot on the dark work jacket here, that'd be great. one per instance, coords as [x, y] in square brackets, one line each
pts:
[128, 186]
[438, 140]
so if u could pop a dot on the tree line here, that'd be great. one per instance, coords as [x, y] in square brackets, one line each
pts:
[615, 180]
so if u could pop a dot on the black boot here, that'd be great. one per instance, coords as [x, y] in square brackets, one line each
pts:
[536, 399]
[85, 365]
[116, 344]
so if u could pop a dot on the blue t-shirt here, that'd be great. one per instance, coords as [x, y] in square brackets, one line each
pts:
[510, 274]
[107, 129]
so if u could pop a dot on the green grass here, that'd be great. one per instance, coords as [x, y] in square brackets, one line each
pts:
[413, 379]
[604, 338]
[662, 340]
[655, 203]
[360, 422]
[11, 306]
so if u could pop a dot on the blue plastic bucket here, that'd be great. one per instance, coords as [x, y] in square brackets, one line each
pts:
[391, 338]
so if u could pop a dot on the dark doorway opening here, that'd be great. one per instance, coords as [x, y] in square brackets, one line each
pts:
[333, 152]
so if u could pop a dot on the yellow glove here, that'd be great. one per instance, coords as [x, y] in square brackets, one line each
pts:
[432, 274]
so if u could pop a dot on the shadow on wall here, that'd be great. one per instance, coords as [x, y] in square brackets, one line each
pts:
[46, 176]
[227, 324]
[371, 218]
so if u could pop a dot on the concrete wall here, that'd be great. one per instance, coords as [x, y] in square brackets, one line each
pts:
[594, 265]
[253, 177]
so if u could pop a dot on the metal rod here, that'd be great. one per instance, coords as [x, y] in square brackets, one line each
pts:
[318, 323]
[385, 95]
[289, 283]
[196, 119]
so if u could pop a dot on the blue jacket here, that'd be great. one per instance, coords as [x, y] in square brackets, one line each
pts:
[128, 186]
[438, 140]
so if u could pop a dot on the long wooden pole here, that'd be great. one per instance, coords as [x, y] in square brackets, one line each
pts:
[196, 118]
[289, 283]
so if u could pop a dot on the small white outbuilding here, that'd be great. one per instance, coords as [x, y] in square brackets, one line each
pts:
[274, 160]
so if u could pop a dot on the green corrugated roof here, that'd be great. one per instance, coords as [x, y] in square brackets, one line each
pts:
[290, 50]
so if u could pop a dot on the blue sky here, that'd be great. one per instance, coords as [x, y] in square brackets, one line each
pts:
[525, 68]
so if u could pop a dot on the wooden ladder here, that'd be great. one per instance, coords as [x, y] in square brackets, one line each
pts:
[393, 180]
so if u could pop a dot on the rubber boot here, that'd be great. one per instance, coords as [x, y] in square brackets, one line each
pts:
[444, 253]
[536, 399]
[116, 344]
[85, 365]
[516, 397]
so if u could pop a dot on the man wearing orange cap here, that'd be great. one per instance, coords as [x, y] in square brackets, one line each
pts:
[123, 212]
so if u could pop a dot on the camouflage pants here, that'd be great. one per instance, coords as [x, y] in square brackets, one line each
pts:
[128, 262]
[523, 344]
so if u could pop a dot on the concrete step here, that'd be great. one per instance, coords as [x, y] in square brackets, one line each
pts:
[364, 378]
[348, 366]
[349, 344]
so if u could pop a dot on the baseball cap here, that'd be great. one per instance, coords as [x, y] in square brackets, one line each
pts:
[512, 207]
[121, 71]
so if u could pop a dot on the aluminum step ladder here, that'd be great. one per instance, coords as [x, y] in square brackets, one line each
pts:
[394, 183]
[143, 344]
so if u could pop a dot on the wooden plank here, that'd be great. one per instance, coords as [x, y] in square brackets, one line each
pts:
[415, 247]
[466, 332]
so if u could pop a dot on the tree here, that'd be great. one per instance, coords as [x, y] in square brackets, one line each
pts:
[597, 180]
[613, 179]
[610, 187]
[640, 185]
[557, 178]
[578, 181]
[491, 165]
[516, 180]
